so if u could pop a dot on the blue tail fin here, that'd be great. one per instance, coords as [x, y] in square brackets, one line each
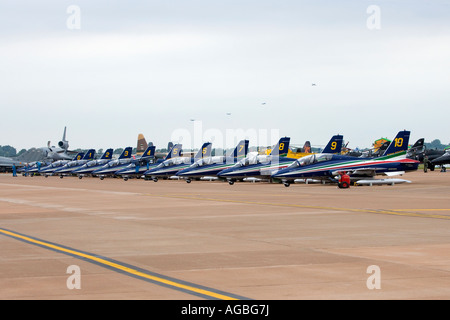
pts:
[89, 155]
[399, 144]
[205, 151]
[241, 150]
[281, 149]
[174, 152]
[79, 156]
[149, 152]
[334, 145]
[126, 153]
[108, 154]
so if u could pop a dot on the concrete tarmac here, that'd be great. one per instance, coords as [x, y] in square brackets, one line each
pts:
[171, 240]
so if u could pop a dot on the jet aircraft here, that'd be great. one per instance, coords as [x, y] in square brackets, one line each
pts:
[327, 166]
[66, 170]
[138, 166]
[264, 166]
[442, 160]
[170, 167]
[418, 152]
[50, 168]
[87, 168]
[108, 169]
[211, 166]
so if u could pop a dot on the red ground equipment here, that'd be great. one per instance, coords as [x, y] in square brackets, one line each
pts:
[344, 180]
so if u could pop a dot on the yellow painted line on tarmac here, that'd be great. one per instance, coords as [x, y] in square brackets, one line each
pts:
[396, 212]
[189, 288]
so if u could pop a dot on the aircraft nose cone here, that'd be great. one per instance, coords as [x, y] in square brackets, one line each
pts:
[225, 172]
[182, 172]
[149, 171]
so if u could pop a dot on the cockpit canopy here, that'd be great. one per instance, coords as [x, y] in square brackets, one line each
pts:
[208, 161]
[58, 163]
[254, 159]
[173, 162]
[311, 159]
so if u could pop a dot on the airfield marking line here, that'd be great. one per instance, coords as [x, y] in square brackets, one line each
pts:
[378, 211]
[175, 284]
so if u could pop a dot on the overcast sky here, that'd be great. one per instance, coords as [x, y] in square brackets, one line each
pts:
[110, 70]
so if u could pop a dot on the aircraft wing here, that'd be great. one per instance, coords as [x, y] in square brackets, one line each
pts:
[365, 172]
[371, 172]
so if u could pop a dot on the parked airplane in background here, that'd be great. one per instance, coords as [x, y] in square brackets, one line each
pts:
[170, 167]
[296, 152]
[264, 166]
[66, 170]
[211, 166]
[108, 169]
[141, 145]
[27, 158]
[61, 152]
[87, 168]
[327, 166]
[442, 160]
[419, 151]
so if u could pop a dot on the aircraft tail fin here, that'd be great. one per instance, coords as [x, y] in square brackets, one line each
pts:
[334, 145]
[107, 154]
[79, 156]
[174, 152]
[281, 149]
[149, 152]
[126, 153]
[419, 144]
[205, 151]
[141, 144]
[399, 144]
[241, 150]
[63, 144]
[89, 155]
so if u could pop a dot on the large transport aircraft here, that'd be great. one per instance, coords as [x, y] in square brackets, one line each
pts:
[327, 166]
[66, 170]
[264, 166]
[172, 166]
[211, 166]
[61, 152]
[87, 168]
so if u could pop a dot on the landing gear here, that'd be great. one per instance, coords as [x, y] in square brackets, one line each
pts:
[188, 180]
[125, 178]
[155, 179]
[230, 182]
[287, 184]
